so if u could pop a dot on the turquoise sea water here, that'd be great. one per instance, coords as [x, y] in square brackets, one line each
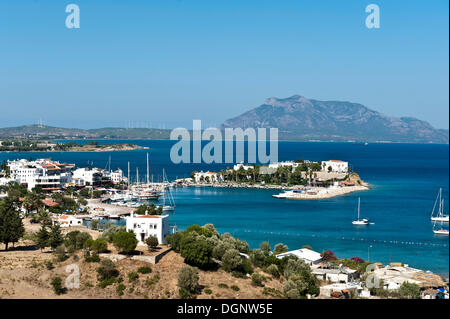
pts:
[405, 180]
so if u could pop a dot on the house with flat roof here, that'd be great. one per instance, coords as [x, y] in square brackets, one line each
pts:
[335, 275]
[145, 226]
[309, 256]
[67, 221]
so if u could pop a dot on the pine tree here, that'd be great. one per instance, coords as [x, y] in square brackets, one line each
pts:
[43, 237]
[11, 225]
[55, 237]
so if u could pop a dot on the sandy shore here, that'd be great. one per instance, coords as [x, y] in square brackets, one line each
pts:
[323, 193]
[96, 207]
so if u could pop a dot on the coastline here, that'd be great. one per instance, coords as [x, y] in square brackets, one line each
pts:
[322, 193]
[83, 150]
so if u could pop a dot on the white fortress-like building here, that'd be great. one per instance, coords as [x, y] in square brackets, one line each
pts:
[337, 166]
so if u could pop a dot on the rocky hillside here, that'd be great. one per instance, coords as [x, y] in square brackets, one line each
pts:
[299, 118]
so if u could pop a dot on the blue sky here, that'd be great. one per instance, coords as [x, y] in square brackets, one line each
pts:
[162, 63]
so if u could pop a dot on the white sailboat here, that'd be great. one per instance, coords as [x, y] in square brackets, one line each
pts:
[440, 217]
[360, 221]
[171, 206]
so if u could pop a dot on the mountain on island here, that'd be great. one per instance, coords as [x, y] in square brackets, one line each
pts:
[302, 119]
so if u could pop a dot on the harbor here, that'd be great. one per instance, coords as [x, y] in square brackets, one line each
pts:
[400, 200]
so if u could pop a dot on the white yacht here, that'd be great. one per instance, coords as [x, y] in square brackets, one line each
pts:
[289, 194]
[360, 221]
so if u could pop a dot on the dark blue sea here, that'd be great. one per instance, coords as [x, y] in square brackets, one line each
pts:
[405, 179]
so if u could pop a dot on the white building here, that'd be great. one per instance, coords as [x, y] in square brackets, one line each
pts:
[149, 225]
[117, 176]
[205, 176]
[87, 177]
[283, 164]
[67, 221]
[335, 275]
[337, 166]
[307, 255]
[45, 173]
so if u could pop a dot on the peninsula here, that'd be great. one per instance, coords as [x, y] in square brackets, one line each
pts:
[46, 146]
[302, 179]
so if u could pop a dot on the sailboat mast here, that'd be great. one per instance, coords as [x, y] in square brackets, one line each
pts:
[137, 175]
[128, 174]
[148, 176]
[359, 200]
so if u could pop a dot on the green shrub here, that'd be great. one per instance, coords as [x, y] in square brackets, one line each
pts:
[144, 270]
[60, 253]
[57, 285]
[257, 279]
[257, 257]
[231, 260]
[174, 240]
[409, 290]
[199, 230]
[107, 270]
[208, 291]
[91, 258]
[188, 279]
[70, 240]
[152, 280]
[152, 242]
[273, 270]
[272, 292]
[100, 245]
[245, 267]
[280, 248]
[81, 239]
[49, 265]
[184, 293]
[111, 231]
[107, 282]
[119, 289]
[133, 276]
[235, 288]
[125, 241]
[196, 251]
[222, 285]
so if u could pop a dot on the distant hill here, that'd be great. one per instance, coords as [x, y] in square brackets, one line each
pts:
[297, 119]
[302, 119]
[49, 132]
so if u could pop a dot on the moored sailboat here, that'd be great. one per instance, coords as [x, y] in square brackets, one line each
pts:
[440, 216]
[360, 221]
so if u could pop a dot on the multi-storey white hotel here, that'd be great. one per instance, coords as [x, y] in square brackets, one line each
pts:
[45, 173]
